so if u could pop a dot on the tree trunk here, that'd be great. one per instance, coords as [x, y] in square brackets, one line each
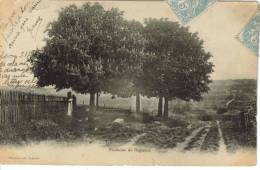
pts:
[165, 114]
[160, 107]
[97, 100]
[137, 102]
[92, 102]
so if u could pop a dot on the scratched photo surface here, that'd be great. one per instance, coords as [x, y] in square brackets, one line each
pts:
[128, 82]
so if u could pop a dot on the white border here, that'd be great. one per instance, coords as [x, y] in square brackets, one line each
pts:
[55, 167]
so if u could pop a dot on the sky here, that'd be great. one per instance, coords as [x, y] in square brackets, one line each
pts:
[218, 26]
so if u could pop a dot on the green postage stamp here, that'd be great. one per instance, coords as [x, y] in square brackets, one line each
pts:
[186, 10]
[250, 33]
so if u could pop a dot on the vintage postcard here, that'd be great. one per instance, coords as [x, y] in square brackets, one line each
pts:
[167, 82]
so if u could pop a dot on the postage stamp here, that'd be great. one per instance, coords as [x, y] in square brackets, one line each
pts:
[186, 10]
[249, 36]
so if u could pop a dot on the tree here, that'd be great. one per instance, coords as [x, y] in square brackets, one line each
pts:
[128, 81]
[86, 47]
[181, 68]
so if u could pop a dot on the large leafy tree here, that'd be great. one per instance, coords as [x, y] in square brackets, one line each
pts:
[129, 82]
[181, 67]
[87, 48]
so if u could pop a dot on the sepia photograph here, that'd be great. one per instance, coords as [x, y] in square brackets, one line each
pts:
[128, 82]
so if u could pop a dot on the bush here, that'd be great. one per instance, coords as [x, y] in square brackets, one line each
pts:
[228, 117]
[8, 135]
[171, 122]
[116, 132]
[221, 110]
[41, 130]
[37, 130]
[147, 118]
[206, 117]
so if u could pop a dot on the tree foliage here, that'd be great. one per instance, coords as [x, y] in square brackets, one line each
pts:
[88, 49]
[92, 50]
[181, 67]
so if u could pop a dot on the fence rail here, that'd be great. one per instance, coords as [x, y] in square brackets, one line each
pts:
[22, 106]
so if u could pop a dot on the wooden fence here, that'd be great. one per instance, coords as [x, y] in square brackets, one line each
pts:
[22, 106]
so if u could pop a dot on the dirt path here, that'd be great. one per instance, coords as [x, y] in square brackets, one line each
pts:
[195, 141]
[181, 146]
[222, 145]
[200, 140]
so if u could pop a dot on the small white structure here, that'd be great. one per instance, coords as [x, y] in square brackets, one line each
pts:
[70, 104]
[70, 107]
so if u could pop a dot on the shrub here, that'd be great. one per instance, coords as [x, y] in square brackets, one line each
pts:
[147, 118]
[37, 130]
[41, 130]
[206, 117]
[172, 122]
[8, 135]
[221, 110]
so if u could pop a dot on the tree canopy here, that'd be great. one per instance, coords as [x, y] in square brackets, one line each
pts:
[181, 67]
[88, 48]
[91, 50]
